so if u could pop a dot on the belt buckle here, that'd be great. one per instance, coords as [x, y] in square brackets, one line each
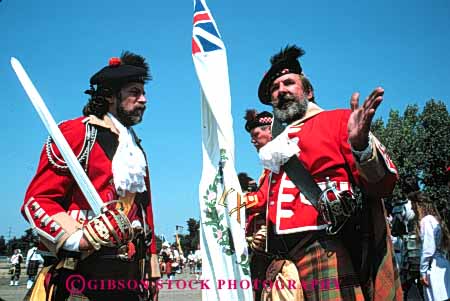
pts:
[122, 253]
[70, 263]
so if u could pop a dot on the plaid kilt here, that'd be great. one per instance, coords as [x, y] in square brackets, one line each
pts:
[32, 268]
[385, 281]
[17, 269]
[326, 272]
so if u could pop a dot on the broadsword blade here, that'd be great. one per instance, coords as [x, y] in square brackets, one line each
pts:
[75, 167]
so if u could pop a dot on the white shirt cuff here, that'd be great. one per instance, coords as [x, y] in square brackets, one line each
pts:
[365, 154]
[73, 242]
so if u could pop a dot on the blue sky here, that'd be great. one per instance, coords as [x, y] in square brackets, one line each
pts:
[350, 46]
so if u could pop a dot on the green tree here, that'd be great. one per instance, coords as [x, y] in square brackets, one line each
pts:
[22, 243]
[419, 143]
[158, 243]
[194, 233]
[436, 143]
[190, 241]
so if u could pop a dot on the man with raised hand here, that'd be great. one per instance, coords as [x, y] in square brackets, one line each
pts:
[338, 151]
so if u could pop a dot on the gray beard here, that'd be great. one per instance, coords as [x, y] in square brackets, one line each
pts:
[295, 109]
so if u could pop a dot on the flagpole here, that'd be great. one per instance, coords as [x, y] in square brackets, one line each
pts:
[224, 249]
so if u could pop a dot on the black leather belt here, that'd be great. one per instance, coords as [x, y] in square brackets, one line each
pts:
[282, 245]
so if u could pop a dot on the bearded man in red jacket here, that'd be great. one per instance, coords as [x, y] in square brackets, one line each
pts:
[115, 247]
[335, 147]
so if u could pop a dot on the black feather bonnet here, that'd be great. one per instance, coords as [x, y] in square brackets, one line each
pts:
[129, 67]
[284, 62]
[255, 119]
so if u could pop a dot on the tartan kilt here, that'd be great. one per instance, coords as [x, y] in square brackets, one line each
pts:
[17, 270]
[166, 268]
[32, 268]
[326, 272]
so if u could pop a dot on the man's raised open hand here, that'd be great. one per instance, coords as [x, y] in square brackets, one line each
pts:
[361, 118]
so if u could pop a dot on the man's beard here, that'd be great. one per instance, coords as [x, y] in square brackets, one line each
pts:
[129, 118]
[291, 108]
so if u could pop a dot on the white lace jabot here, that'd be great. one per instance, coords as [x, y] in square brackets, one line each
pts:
[128, 164]
[278, 151]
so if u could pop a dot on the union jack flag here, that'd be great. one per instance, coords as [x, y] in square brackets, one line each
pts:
[205, 35]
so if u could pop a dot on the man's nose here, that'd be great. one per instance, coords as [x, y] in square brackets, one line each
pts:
[142, 99]
[282, 89]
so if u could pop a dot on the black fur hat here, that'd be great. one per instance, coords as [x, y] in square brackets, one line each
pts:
[129, 67]
[284, 62]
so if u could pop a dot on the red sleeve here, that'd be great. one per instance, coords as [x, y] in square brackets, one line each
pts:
[256, 201]
[149, 215]
[50, 184]
[46, 193]
[153, 265]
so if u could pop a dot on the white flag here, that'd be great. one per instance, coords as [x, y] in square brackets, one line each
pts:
[225, 263]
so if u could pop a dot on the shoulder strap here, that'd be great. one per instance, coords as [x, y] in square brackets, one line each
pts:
[298, 173]
[303, 180]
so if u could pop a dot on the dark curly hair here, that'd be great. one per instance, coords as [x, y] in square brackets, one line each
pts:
[98, 104]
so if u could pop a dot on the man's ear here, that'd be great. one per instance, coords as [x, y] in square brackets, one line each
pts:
[109, 99]
[310, 95]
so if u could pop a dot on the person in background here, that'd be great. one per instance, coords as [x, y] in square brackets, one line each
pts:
[33, 261]
[167, 259]
[15, 261]
[191, 262]
[175, 263]
[198, 263]
[434, 266]
[258, 125]
[407, 246]
[183, 261]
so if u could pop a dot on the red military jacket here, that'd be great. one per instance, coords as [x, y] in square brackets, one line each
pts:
[325, 152]
[322, 138]
[54, 204]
